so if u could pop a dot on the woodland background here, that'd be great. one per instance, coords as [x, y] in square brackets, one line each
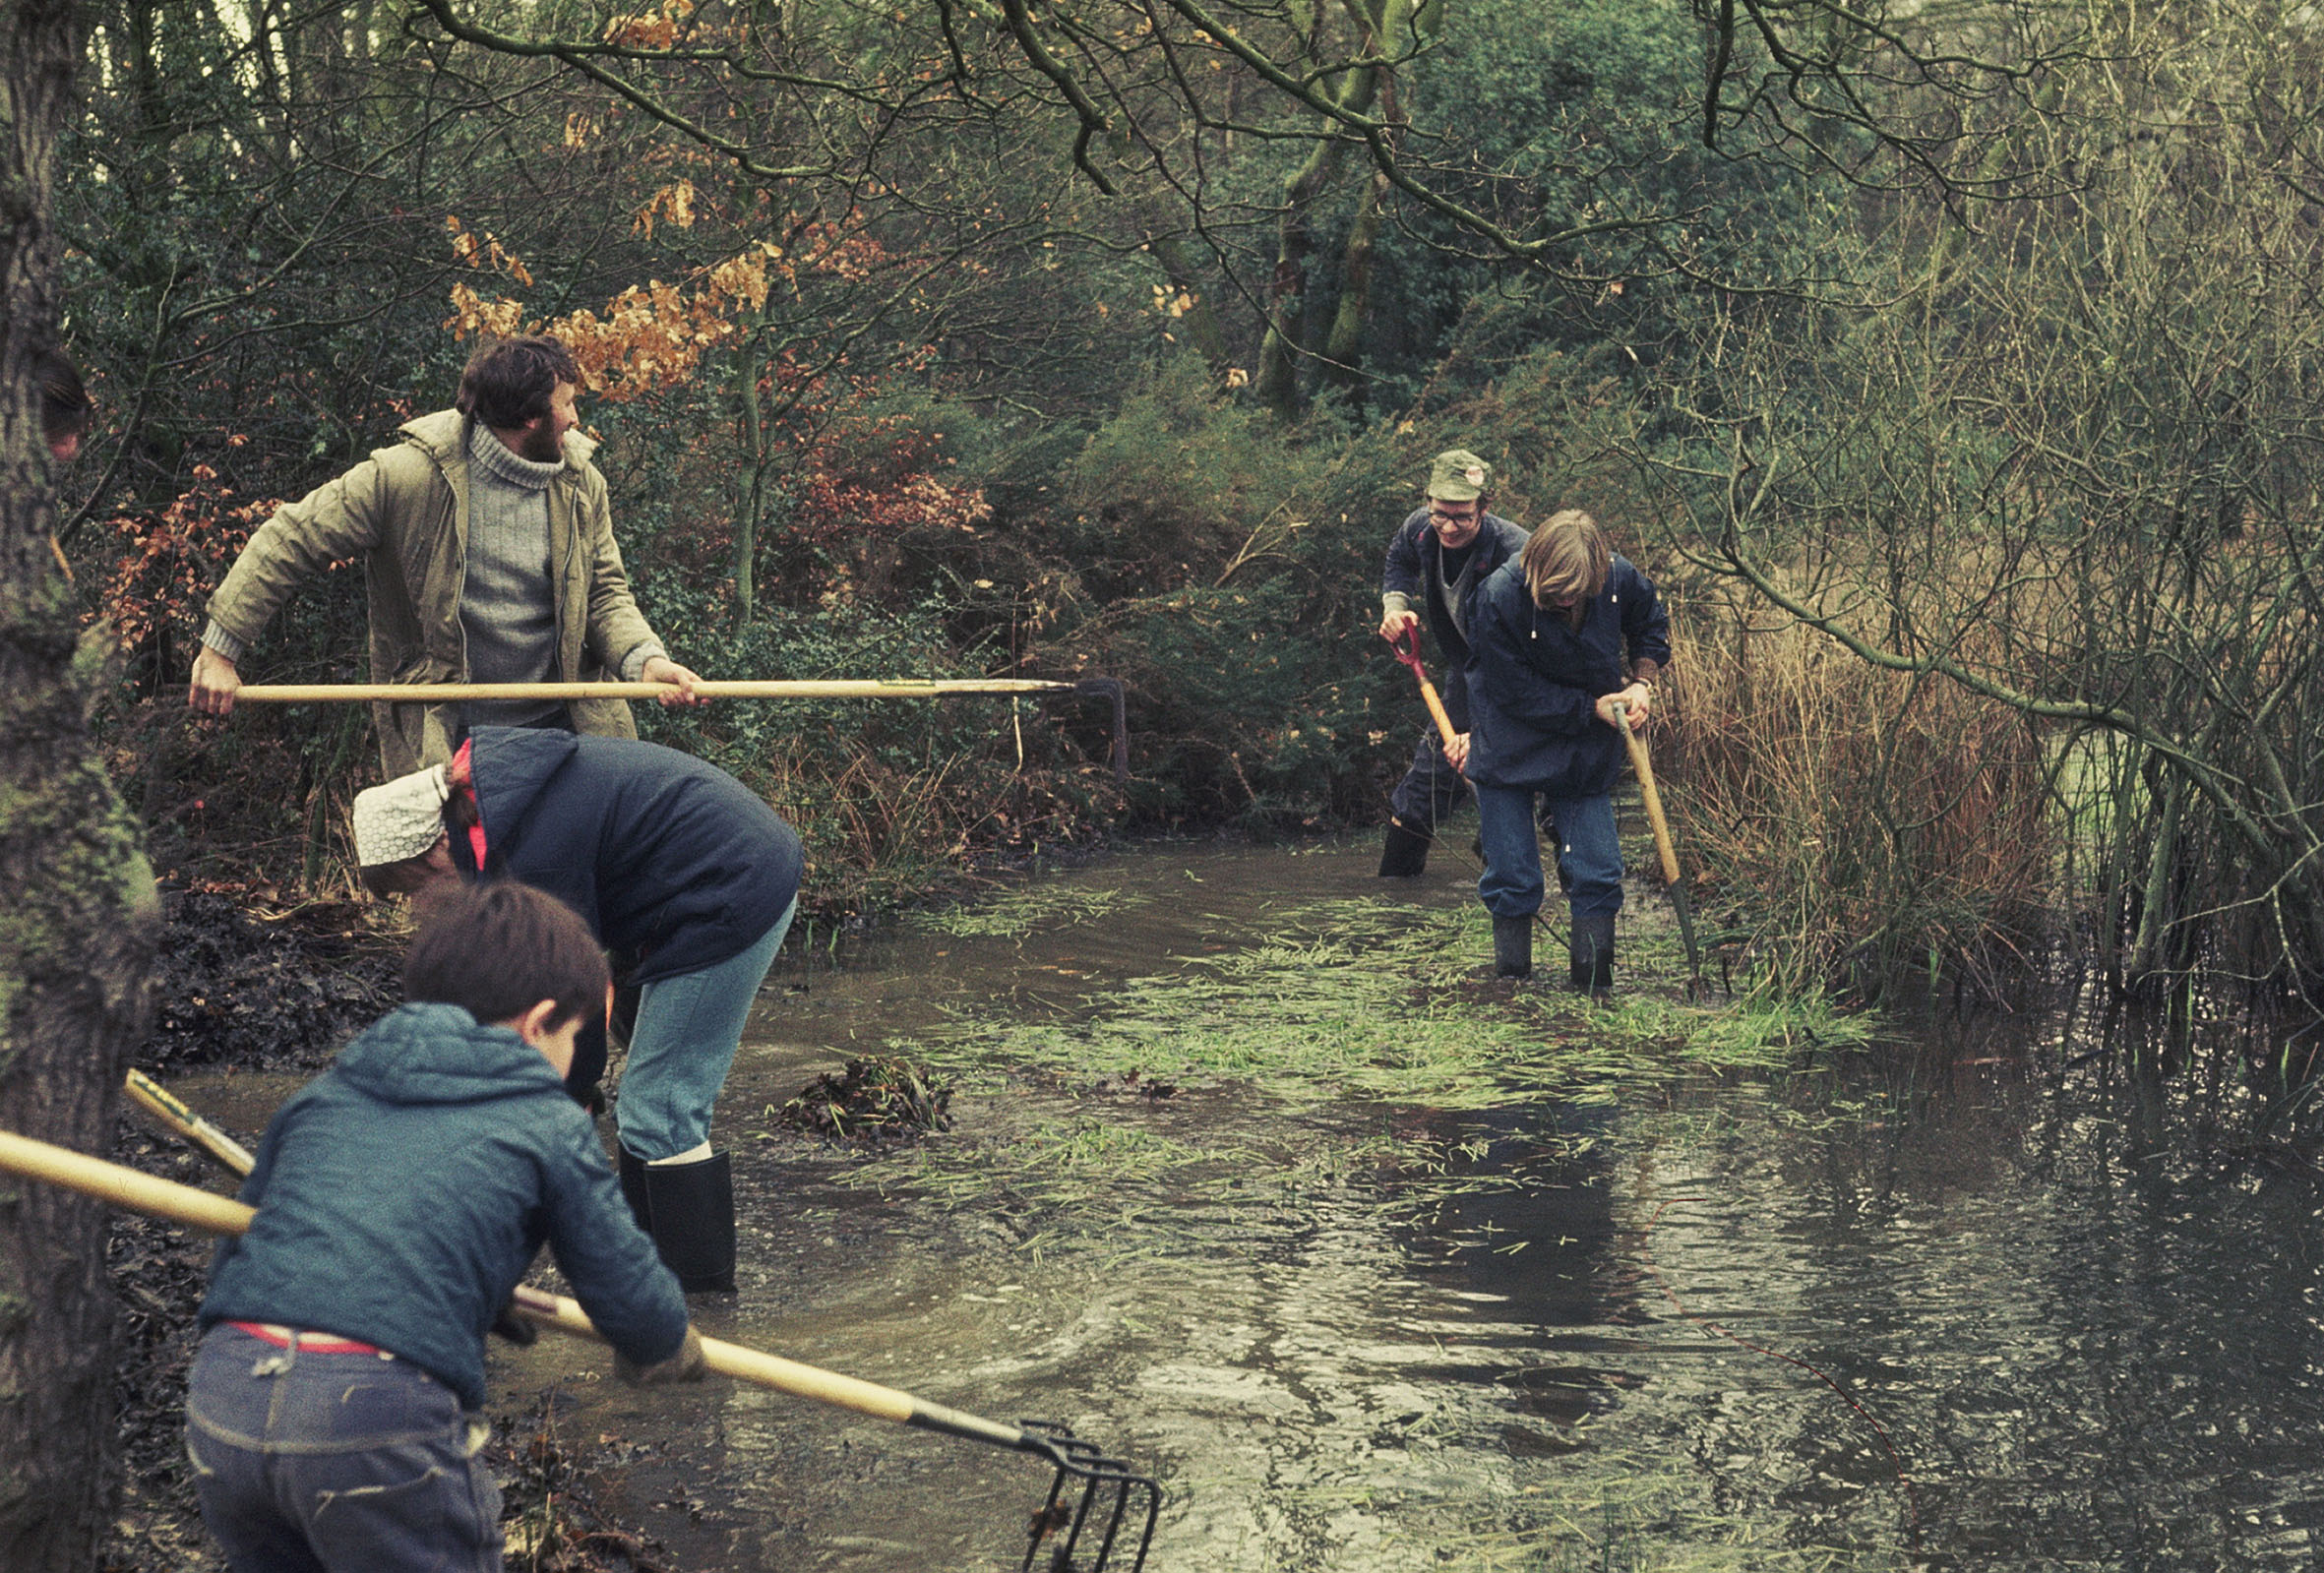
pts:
[1953, 366]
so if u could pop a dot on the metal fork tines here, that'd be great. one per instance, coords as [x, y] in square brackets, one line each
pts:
[1109, 1499]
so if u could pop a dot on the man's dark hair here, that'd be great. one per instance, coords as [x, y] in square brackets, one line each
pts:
[64, 401]
[498, 949]
[511, 380]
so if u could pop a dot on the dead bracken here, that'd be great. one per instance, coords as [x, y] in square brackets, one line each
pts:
[252, 983]
[880, 1098]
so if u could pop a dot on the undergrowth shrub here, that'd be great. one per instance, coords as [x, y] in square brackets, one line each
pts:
[891, 796]
[1228, 572]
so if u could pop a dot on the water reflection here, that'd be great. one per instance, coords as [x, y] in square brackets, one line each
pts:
[2077, 1304]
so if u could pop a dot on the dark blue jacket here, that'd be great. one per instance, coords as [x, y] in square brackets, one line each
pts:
[1415, 570]
[403, 1193]
[1533, 682]
[663, 854]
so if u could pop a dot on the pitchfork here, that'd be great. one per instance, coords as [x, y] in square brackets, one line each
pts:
[1096, 1505]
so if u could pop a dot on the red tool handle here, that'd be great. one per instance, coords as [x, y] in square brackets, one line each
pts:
[1407, 648]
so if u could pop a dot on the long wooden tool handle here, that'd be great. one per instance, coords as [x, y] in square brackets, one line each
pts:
[776, 688]
[220, 1215]
[762, 1370]
[1644, 767]
[122, 1186]
[1427, 694]
[1407, 650]
[162, 1104]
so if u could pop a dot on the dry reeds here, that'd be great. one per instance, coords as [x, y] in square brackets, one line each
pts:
[1851, 821]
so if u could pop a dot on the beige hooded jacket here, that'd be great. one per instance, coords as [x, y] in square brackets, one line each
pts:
[404, 512]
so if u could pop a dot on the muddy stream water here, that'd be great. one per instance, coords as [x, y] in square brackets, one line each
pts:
[1376, 1263]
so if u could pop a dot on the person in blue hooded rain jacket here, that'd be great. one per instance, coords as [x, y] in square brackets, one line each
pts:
[1549, 636]
[333, 1411]
[666, 857]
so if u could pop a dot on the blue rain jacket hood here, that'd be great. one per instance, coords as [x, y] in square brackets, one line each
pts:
[402, 1194]
[1535, 680]
[661, 853]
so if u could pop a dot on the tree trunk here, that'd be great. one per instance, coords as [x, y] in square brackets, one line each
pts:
[1343, 350]
[750, 482]
[1277, 383]
[77, 929]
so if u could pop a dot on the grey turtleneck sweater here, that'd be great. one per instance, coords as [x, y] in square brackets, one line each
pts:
[507, 611]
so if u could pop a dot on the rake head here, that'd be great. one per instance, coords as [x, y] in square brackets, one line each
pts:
[1095, 1507]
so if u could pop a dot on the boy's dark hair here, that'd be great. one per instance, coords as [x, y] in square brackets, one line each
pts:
[511, 380]
[64, 401]
[499, 948]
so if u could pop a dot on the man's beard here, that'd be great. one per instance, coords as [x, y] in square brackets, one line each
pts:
[543, 443]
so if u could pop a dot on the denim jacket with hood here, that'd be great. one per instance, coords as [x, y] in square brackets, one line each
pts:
[404, 1191]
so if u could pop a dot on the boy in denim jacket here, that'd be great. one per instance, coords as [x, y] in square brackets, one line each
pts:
[332, 1412]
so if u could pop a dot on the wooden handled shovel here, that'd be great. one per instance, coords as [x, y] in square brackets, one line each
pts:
[1407, 650]
[1644, 767]
[1111, 1500]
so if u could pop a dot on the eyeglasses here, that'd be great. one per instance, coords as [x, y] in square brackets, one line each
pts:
[1453, 518]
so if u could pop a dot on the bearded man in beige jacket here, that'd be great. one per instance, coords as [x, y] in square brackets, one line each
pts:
[488, 552]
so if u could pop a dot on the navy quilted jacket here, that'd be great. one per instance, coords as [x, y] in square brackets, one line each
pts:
[1535, 682]
[404, 1191]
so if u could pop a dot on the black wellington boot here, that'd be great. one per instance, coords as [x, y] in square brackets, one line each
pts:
[1593, 955]
[1404, 853]
[1512, 947]
[692, 1206]
[632, 1171]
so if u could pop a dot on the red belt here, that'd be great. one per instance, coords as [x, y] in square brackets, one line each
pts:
[311, 1342]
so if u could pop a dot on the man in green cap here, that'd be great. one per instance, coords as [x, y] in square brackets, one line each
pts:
[1436, 558]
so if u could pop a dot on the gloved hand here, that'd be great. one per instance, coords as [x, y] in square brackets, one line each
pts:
[687, 1365]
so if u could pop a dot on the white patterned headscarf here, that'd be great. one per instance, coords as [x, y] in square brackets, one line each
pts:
[401, 819]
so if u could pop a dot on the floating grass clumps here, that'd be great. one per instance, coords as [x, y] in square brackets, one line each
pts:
[1254, 1091]
[1380, 1003]
[1016, 913]
[878, 1098]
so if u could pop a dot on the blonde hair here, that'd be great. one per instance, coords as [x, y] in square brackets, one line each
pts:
[1567, 556]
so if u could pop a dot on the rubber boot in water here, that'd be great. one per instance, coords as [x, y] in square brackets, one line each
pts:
[691, 1211]
[1512, 946]
[1405, 853]
[1593, 955]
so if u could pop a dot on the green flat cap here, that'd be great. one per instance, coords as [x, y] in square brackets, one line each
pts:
[1459, 475]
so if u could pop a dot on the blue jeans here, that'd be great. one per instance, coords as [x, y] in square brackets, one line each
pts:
[683, 1044]
[307, 1462]
[1589, 853]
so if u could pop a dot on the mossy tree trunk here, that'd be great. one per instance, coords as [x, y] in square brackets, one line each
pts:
[78, 922]
[1388, 29]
